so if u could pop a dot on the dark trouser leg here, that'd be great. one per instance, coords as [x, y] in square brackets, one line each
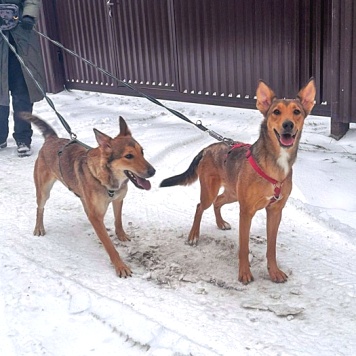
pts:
[22, 129]
[4, 123]
[20, 100]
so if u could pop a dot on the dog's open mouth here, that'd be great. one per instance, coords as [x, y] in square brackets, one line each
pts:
[139, 182]
[286, 139]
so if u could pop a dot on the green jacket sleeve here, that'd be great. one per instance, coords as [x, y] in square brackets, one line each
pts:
[31, 8]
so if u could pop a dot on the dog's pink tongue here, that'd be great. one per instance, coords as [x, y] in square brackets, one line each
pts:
[287, 140]
[144, 183]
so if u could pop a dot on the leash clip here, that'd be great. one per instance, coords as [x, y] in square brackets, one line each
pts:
[199, 125]
[216, 135]
[228, 141]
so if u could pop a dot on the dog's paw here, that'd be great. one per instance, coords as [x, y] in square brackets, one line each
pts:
[223, 225]
[39, 231]
[245, 276]
[193, 236]
[277, 275]
[122, 236]
[193, 241]
[123, 271]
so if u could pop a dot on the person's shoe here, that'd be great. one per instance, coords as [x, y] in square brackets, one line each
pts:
[3, 145]
[23, 150]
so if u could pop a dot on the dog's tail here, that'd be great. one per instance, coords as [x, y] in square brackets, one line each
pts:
[186, 178]
[47, 130]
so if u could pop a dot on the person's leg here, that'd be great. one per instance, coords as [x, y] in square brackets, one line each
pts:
[4, 125]
[20, 100]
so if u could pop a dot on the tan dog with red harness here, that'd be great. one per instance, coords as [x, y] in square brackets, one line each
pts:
[258, 176]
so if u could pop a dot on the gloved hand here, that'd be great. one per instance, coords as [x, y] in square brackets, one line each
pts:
[27, 23]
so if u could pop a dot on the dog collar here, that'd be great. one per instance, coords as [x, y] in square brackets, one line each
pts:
[276, 184]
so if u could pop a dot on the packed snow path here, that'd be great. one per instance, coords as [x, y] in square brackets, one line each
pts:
[59, 295]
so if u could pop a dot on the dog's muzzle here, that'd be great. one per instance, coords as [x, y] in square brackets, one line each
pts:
[286, 138]
[140, 182]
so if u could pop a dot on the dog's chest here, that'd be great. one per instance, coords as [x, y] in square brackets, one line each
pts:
[117, 194]
[283, 160]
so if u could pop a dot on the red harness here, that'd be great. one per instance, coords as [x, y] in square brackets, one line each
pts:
[276, 184]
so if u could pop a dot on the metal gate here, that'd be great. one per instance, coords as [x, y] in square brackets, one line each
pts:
[208, 51]
[225, 47]
[197, 50]
[130, 39]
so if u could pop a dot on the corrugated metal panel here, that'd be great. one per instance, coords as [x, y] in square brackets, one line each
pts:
[347, 61]
[215, 51]
[84, 28]
[315, 44]
[226, 46]
[344, 54]
[134, 43]
[325, 55]
[145, 52]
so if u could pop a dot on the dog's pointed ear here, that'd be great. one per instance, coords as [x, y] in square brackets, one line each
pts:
[307, 94]
[103, 140]
[265, 96]
[124, 129]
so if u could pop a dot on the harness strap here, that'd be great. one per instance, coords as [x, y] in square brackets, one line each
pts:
[258, 169]
[60, 151]
[276, 184]
[111, 193]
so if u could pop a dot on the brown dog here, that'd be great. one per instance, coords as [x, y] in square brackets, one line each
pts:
[257, 176]
[98, 176]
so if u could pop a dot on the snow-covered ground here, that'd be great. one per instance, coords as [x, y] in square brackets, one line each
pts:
[59, 294]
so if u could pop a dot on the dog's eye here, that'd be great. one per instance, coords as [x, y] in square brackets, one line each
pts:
[296, 112]
[129, 156]
[277, 112]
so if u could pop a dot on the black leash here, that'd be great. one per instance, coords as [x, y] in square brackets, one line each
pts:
[72, 135]
[198, 124]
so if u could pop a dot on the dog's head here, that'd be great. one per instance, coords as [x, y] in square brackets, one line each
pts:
[285, 117]
[122, 156]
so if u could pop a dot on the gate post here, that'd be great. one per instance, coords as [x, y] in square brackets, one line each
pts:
[52, 55]
[343, 67]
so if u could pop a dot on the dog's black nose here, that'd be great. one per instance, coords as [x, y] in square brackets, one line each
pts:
[151, 171]
[288, 125]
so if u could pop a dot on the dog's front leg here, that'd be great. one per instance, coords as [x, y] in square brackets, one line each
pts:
[245, 275]
[274, 215]
[119, 230]
[96, 218]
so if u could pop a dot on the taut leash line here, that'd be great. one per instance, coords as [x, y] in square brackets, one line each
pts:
[73, 136]
[198, 124]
